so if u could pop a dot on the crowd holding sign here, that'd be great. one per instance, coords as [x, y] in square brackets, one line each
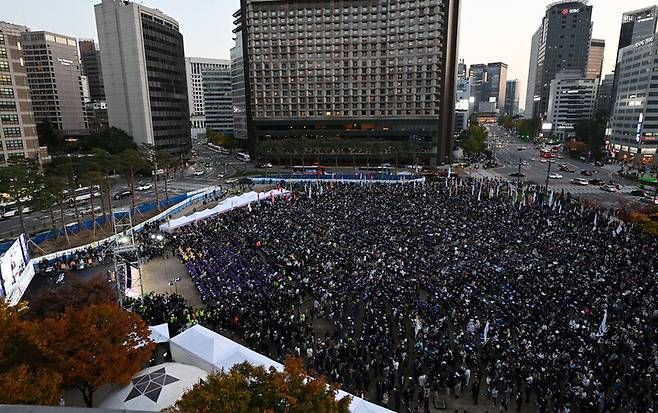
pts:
[415, 293]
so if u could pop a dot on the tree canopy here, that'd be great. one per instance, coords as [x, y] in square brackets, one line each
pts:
[249, 389]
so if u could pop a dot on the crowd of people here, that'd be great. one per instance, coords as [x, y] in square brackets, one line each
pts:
[410, 294]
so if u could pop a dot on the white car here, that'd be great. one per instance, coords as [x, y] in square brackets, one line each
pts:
[524, 163]
[10, 213]
[199, 172]
[542, 160]
[579, 181]
[144, 187]
[555, 176]
[88, 210]
[609, 188]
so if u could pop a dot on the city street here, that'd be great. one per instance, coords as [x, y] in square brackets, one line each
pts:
[510, 151]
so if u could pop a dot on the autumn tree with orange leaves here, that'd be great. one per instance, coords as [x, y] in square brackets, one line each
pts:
[95, 345]
[23, 379]
[249, 389]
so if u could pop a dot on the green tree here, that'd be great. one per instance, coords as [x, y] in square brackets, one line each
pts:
[69, 171]
[50, 137]
[21, 181]
[247, 389]
[132, 161]
[592, 133]
[166, 161]
[112, 140]
[107, 165]
[218, 138]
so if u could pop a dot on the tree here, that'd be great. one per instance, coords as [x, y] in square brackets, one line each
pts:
[22, 377]
[20, 180]
[246, 388]
[112, 140]
[50, 137]
[95, 345]
[69, 171]
[107, 165]
[131, 162]
[592, 133]
[53, 194]
[75, 293]
[149, 153]
[166, 161]
[220, 139]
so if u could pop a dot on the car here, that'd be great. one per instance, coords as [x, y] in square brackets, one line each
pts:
[637, 192]
[199, 172]
[11, 213]
[88, 210]
[598, 163]
[525, 163]
[386, 165]
[609, 188]
[586, 173]
[555, 176]
[542, 160]
[597, 182]
[579, 181]
[521, 148]
[144, 186]
[207, 165]
[264, 165]
[650, 200]
[232, 181]
[517, 174]
[220, 175]
[560, 157]
[122, 194]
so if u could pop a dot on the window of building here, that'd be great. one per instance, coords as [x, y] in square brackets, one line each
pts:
[12, 132]
[4, 66]
[14, 144]
[9, 119]
[6, 92]
[7, 106]
[5, 80]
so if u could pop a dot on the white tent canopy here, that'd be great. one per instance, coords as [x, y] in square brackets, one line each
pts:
[224, 206]
[155, 388]
[160, 333]
[213, 352]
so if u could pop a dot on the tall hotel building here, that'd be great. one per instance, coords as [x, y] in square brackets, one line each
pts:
[18, 130]
[561, 43]
[355, 69]
[143, 64]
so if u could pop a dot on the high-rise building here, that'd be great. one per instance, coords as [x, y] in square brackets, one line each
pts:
[530, 97]
[143, 63]
[477, 75]
[238, 83]
[604, 96]
[564, 39]
[636, 26]
[488, 86]
[595, 59]
[54, 76]
[496, 82]
[462, 70]
[90, 58]
[634, 116]
[218, 100]
[511, 107]
[382, 69]
[572, 98]
[19, 132]
[194, 66]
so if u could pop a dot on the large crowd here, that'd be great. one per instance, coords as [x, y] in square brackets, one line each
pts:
[407, 294]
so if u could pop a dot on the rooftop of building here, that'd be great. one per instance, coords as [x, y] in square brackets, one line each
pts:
[563, 2]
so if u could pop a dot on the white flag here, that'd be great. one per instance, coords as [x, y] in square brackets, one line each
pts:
[449, 172]
[486, 331]
[603, 328]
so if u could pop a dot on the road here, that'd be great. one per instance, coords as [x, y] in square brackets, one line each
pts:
[184, 181]
[509, 151]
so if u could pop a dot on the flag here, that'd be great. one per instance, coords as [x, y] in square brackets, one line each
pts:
[603, 328]
[272, 197]
[449, 171]
[560, 210]
[486, 331]
[596, 215]
[249, 207]
[479, 194]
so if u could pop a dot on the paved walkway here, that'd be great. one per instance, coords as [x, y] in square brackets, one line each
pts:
[159, 272]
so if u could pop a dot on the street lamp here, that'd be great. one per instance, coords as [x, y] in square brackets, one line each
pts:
[174, 282]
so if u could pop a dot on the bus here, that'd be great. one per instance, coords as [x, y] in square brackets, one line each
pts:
[647, 183]
[309, 170]
[244, 157]
[218, 149]
[83, 194]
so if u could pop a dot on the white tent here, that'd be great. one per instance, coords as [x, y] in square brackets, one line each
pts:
[224, 206]
[213, 352]
[155, 388]
[160, 333]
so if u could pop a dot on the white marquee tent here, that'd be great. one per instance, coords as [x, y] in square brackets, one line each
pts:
[213, 352]
[155, 388]
[224, 206]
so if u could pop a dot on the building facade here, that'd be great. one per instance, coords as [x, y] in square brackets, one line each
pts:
[368, 70]
[604, 96]
[55, 79]
[496, 83]
[511, 107]
[488, 86]
[530, 97]
[240, 126]
[636, 26]
[563, 44]
[634, 117]
[143, 63]
[19, 132]
[194, 66]
[218, 100]
[572, 99]
[477, 75]
[595, 59]
[90, 57]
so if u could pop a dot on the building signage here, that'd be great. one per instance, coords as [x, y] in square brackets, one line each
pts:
[570, 11]
[645, 41]
[65, 62]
